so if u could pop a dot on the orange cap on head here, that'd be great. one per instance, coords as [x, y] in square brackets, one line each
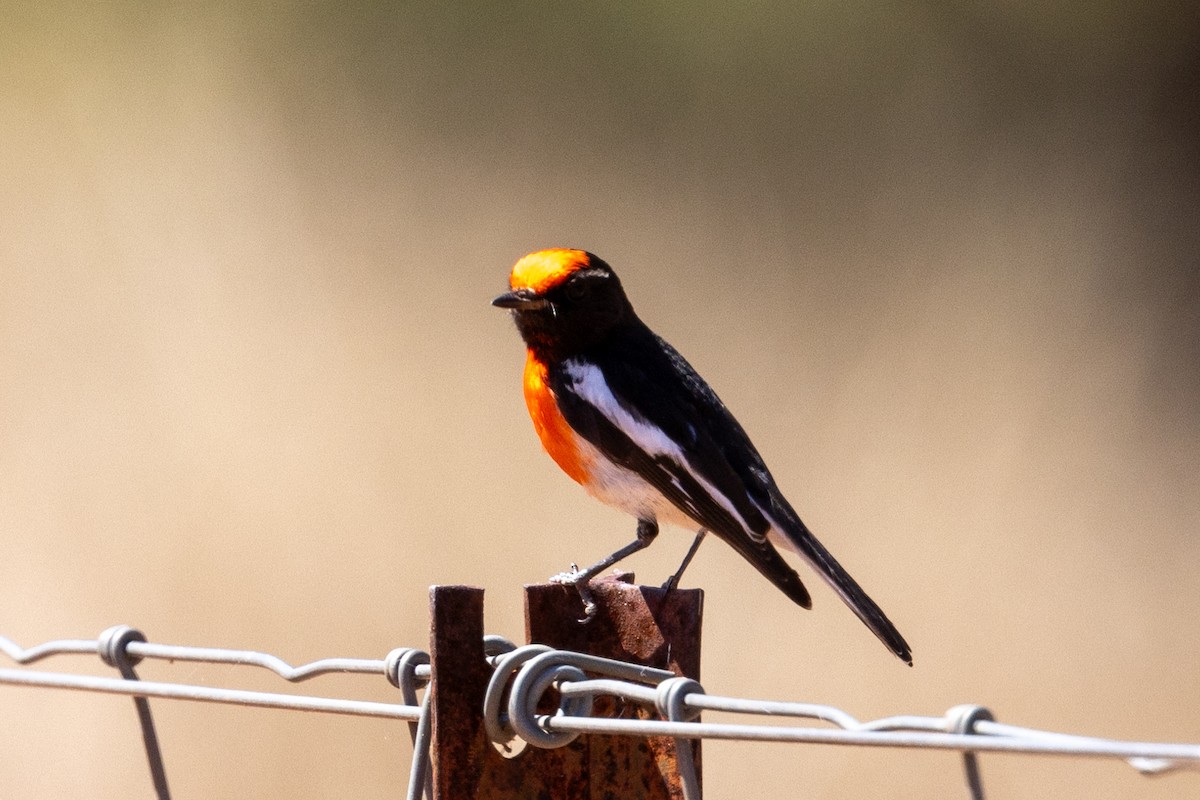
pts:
[545, 269]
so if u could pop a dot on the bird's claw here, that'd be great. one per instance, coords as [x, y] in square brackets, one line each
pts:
[570, 578]
[589, 606]
[580, 581]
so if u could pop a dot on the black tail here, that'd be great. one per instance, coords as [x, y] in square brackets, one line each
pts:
[766, 560]
[848, 589]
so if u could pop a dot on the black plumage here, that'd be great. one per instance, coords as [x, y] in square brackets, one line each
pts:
[584, 320]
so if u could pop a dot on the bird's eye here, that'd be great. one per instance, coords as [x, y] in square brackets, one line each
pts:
[578, 289]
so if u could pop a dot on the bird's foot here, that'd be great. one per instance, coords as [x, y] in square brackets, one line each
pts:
[580, 581]
[567, 578]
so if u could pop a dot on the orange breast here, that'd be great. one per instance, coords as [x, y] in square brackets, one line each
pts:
[556, 435]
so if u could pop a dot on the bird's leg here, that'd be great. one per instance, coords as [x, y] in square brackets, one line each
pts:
[647, 529]
[673, 581]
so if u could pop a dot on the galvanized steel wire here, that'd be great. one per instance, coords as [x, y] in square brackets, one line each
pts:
[521, 676]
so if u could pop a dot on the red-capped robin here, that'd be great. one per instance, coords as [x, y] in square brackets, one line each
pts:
[623, 414]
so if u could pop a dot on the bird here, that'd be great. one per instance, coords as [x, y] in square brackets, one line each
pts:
[626, 416]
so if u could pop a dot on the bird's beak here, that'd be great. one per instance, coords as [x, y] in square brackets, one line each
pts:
[521, 300]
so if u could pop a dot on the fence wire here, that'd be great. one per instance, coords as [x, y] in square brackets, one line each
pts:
[520, 677]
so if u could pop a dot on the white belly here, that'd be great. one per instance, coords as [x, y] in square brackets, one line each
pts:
[628, 491]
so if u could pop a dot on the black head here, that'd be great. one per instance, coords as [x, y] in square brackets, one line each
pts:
[565, 300]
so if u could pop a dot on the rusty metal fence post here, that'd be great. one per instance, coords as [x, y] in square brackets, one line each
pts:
[638, 624]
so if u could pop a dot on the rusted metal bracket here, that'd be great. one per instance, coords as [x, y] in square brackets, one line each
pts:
[638, 624]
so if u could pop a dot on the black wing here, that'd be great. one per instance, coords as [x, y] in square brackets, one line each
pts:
[681, 482]
[673, 397]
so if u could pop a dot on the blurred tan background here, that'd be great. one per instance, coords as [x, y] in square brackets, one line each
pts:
[943, 263]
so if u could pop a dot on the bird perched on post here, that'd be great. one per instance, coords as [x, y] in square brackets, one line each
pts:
[623, 414]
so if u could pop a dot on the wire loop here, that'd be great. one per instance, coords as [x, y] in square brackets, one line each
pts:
[962, 719]
[671, 702]
[530, 684]
[400, 666]
[671, 699]
[495, 721]
[495, 645]
[113, 645]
